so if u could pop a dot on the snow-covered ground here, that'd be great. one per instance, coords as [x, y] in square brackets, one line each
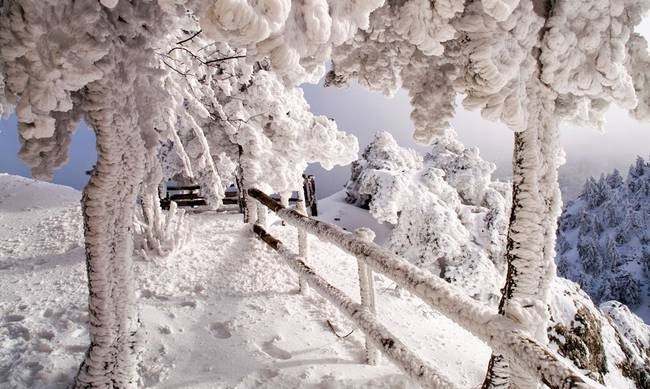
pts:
[222, 312]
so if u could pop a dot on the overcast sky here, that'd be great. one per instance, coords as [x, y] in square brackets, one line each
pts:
[364, 113]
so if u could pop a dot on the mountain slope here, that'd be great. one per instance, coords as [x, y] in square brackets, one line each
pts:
[429, 226]
[604, 239]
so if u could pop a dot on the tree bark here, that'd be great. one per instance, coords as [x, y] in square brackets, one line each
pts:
[536, 206]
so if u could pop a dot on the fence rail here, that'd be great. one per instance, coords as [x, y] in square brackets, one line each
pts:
[499, 332]
[362, 317]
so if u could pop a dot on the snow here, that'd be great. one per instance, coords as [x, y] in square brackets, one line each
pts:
[224, 310]
[20, 194]
[618, 327]
[443, 212]
[603, 237]
[335, 210]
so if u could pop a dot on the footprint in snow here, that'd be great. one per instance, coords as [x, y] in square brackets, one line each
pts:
[274, 351]
[220, 331]
[14, 318]
[191, 304]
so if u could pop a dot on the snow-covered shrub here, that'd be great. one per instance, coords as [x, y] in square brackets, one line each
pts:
[383, 170]
[602, 236]
[447, 215]
[159, 233]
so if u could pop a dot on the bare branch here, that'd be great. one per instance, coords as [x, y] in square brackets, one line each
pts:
[190, 38]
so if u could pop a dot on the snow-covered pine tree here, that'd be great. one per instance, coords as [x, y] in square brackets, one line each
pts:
[608, 262]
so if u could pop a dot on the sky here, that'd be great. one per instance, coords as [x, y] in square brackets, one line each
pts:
[363, 113]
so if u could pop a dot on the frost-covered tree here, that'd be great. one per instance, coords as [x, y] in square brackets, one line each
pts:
[446, 214]
[529, 64]
[62, 61]
[260, 126]
[66, 60]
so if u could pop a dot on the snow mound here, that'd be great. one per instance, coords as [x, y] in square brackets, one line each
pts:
[18, 193]
[603, 239]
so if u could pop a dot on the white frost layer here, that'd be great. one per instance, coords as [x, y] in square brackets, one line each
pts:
[297, 37]
[585, 53]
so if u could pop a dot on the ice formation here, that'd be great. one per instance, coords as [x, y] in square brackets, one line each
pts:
[584, 56]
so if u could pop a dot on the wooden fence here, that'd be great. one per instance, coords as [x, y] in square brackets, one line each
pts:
[502, 334]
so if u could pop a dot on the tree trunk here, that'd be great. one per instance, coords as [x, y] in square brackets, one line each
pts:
[108, 204]
[536, 205]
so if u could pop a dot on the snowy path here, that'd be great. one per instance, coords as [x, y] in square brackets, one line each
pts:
[223, 312]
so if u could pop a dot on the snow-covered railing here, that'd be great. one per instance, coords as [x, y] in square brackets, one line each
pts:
[501, 333]
[362, 317]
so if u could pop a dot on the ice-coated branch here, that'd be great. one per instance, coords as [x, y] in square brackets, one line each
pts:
[295, 36]
[500, 332]
[158, 233]
[360, 315]
[584, 54]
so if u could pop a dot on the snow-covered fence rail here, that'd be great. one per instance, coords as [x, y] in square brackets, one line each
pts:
[501, 333]
[362, 317]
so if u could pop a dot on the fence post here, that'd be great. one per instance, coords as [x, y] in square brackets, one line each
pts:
[243, 189]
[367, 291]
[303, 239]
[251, 210]
[313, 205]
[284, 200]
[262, 213]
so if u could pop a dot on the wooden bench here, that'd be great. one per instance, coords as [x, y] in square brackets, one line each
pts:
[190, 196]
[183, 196]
